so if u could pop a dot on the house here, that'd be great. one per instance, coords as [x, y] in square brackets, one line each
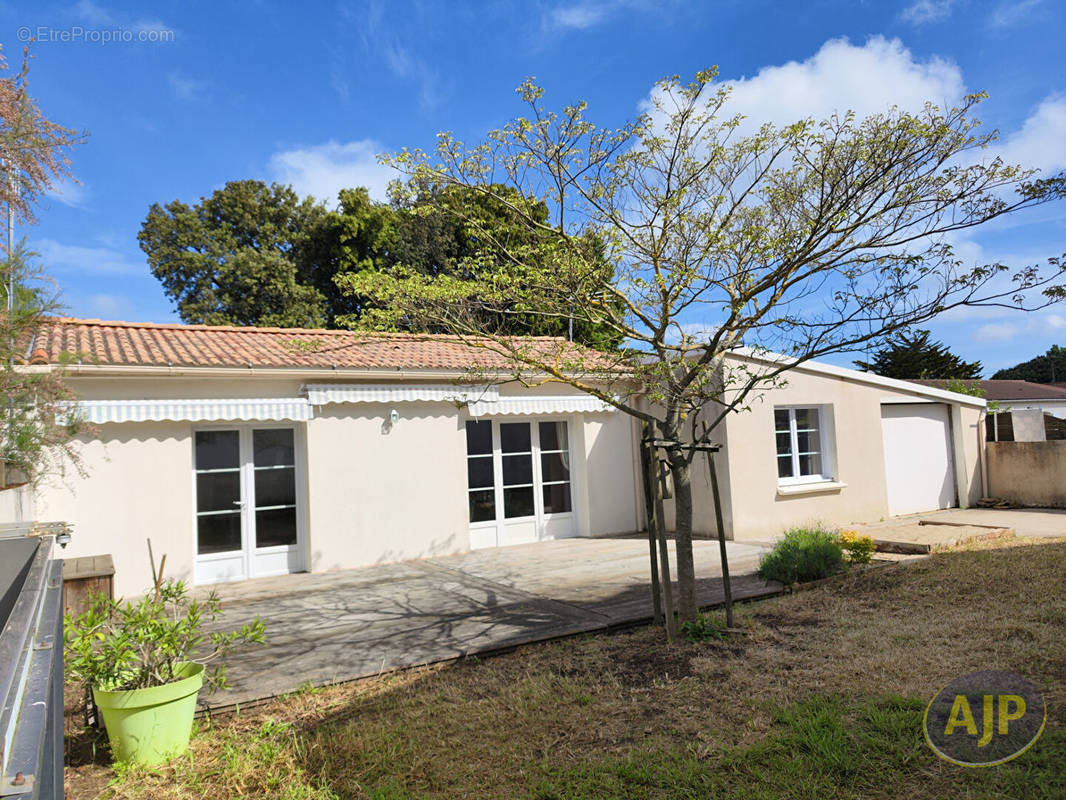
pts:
[1010, 395]
[1037, 401]
[839, 446]
[245, 452]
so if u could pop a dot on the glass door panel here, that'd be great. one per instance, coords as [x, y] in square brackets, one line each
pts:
[274, 479]
[481, 486]
[555, 467]
[218, 492]
[516, 448]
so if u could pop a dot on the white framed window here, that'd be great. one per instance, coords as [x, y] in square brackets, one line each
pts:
[517, 470]
[803, 453]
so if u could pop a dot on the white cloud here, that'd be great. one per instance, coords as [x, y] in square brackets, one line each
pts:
[149, 26]
[1011, 12]
[323, 170]
[69, 258]
[841, 76]
[92, 13]
[379, 38]
[185, 88]
[70, 193]
[997, 332]
[921, 12]
[106, 306]
[579, 16]
[1041, 141]
[1033, 325]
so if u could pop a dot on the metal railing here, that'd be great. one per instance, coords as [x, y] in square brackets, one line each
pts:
[31, 662]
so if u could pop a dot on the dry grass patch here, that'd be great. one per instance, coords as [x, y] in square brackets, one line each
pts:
[825, 694]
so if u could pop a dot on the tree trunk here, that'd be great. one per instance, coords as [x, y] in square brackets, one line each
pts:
[727, 588]
[687, 608]
[647, 458]
[664, 553]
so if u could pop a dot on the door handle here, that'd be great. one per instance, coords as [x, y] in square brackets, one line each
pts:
[238, 503]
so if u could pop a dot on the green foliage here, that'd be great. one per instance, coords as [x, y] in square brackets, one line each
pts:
[858, 549]
[137, 645]
[960, 386]
[239, 257]
[912, 355]
[1048, 368]
[703, 629]
[803, 554]
[37, 428]
[252, 254]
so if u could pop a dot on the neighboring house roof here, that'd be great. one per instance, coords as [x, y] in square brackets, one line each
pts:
[142, 344]
[1005, 390]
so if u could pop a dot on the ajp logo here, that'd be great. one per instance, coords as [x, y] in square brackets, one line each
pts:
[984, 718]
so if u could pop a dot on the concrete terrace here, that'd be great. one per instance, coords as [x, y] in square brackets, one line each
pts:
[338, 626]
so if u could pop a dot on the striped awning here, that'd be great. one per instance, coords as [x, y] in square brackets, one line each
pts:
[209, 410]
[319, 394]
[541, 404]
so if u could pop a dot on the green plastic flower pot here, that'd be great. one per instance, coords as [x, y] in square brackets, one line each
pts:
[149, 726]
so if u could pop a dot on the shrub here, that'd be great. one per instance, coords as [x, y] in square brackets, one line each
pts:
[859, 549]
[116, 645]
[703, 629]
[804, 554]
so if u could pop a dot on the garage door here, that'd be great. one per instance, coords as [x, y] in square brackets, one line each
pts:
[919, 469]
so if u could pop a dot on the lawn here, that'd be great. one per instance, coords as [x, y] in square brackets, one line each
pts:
[823, 699]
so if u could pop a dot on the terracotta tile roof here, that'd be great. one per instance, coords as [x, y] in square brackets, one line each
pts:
[1006, 390]
[91, 341]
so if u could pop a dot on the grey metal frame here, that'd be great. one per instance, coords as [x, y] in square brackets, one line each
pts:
[31, 678]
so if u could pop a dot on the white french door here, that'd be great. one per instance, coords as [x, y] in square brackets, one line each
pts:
[518, 481]
[247, 503]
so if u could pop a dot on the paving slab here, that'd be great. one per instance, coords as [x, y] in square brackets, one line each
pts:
[1024, 521]
[922, 537]
[337, 626]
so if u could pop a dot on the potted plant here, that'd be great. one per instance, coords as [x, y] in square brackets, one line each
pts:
[145, 663]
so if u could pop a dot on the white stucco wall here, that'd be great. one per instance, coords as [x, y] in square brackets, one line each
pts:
[381, 493]
[138, 485]
[612, 464]
[374, 492]
[756, 507]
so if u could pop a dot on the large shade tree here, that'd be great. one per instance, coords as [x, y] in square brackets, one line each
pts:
[259, 254]
[239, 257]
[803, 240]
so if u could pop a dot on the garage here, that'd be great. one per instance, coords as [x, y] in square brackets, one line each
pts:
[919, 468]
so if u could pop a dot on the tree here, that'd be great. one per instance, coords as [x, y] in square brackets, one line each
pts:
[804, 240]
[912, 355]
[37, 431]
[1048, 368]
[460, 239]
[238, 257]
[253, 254]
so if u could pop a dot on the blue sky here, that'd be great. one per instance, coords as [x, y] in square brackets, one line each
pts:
[180, 97]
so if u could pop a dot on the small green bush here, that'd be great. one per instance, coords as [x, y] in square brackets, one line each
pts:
[703, 629]
[804, 554]
[859, 549]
